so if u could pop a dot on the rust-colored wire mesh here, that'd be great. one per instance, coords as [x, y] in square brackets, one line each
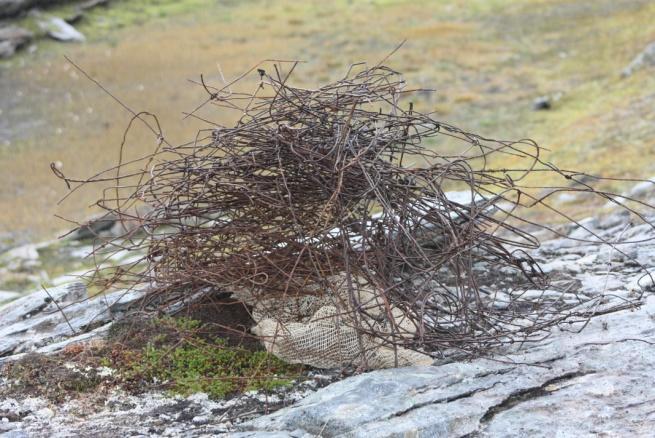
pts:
[343, 194]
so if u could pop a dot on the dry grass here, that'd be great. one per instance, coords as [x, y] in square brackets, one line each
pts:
[487, 60]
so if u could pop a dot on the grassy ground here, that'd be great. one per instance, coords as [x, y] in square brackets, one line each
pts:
[487, 59]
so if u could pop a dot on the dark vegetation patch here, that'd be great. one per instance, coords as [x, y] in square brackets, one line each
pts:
[54, 377]
[185, 356]
[179, 354]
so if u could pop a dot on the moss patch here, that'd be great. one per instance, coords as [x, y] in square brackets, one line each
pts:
[185, 360]
[179, 355]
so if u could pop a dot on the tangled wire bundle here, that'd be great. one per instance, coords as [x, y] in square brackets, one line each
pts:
[326, 212]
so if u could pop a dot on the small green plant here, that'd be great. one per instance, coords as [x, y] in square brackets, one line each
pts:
[177, 354]
[181, 359]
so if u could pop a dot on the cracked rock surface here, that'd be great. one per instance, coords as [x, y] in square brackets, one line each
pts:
[152, 414]
[595, 382]
[48, 320]
[573, 383]
[598, 382]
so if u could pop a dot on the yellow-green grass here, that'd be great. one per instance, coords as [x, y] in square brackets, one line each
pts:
[487, 60]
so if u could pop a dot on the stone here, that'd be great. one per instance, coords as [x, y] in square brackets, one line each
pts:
[57, 28]
[573, 382]
[13, 38]
[45, 413]
[200, 420]
[613, 220]
[642, 282]
[570, 384]
[25, 252]
[6, 295]
[542, 103]
[15, 434]
[107, 226]
[6, 427]
[646, 58]
[21, 259]
[644, 189]
[568, 197]
[10, 8]
[47, 321]
[94, 227]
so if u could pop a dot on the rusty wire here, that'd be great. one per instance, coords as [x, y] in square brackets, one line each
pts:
[347, 179]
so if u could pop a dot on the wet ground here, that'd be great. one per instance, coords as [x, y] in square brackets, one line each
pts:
[488, 61]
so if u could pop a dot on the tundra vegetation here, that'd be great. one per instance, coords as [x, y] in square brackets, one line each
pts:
[480, 51]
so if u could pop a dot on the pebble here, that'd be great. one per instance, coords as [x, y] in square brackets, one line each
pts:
[542, 103]
[200, 419]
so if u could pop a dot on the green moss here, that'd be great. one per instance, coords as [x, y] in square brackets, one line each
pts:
[184, 361]
[98, 22]
[175, 354]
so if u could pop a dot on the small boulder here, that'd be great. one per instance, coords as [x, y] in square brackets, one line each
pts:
[13, 38]
[110, 225]
[644, 59]
[542, 103]
[57, 28]
[9, 8]
[644, 189]
[95, 227]
[6, 295]
[25, 252]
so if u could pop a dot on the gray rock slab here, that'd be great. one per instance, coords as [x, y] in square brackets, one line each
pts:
[6, 295]
[51, 319]
[597, 382]
[570, 384]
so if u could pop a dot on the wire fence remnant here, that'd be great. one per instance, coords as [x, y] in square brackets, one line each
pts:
[330, 213]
